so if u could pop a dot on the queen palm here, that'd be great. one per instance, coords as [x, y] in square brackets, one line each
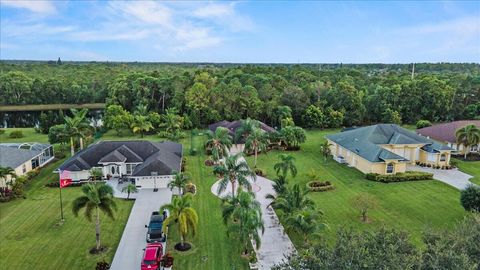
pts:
[180, 180]
[181, 212]
[468, 136]
[219, 143]
[285, 165]
[130, 188]
[95, 198]
[141, 125]
[256, 142]
[247, 218]
[234, 171]
[304, 222]
[246, 127]
[76, 127]
[294, 199]
[84, 126]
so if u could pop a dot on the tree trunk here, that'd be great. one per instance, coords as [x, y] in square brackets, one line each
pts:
[128, 194]
[81, 143]
[182, 241]
[364, 216]
[97, 230]
[466, 152]
[141, 134]
[233, 189]
[72, 147]
[255, 165]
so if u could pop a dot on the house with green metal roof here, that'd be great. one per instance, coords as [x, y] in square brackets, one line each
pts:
[386, 149]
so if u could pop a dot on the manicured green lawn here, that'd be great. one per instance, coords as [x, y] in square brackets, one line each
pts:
[412, 206]
[30, 237]
[470, 167]
[29, 136]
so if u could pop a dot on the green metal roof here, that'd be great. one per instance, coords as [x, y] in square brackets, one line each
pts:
[366, 141]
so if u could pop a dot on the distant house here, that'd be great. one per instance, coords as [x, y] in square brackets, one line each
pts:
[149, 164]
[445, 133]
[24, 157]
[233, 126]
[386, 149]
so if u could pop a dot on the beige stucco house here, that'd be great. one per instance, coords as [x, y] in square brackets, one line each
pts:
[386, 149]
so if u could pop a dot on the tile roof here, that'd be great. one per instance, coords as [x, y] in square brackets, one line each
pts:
[446, 132]
[234, 125]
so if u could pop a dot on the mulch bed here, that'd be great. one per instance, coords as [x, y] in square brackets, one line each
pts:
[101, 250]
[185, 247]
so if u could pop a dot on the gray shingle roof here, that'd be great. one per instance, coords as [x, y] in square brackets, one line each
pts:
[13, 157]
[160, 157]
[365, 141]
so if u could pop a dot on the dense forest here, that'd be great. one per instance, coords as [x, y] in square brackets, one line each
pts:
[317, 95]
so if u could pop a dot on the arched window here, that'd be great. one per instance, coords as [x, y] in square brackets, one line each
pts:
[443, 157]
[390, 167]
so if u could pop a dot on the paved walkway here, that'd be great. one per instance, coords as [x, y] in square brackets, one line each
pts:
[275, 242]
[455, 177]
[130, 249]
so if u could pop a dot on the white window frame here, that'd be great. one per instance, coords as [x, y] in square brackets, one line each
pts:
[393, 168]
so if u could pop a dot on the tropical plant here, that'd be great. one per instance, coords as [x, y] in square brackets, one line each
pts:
[95, 198]
[246, 127]
[468, 135]
[470, 198]
[325, 150]
[173, 124]
[130, 188]
[96, 174]
[364, 202]
[4, 173]
[76, 127]
[183, 214]
[304, 222]
[219, 143]
[280, 185]
[293, 136]
[293, 199]
[286, 165]
[84, 126]
[141, 124]
[247, 218]
[256, 142]
[180, 181]
[234, 171]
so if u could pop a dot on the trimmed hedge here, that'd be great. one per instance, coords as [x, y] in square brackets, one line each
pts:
[400, 177]
[319, 186]
[16, 134]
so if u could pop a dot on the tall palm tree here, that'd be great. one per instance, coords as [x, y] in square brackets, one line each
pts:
[256, 142]
[84, 125]
[183, 214]
[76, 127]
[95, 198]
[219, 143]
[247, 218]
[304, 222]
[468, 136]
[294, 199]
[325, 150]
[246, 127]
[171, 121]
[141, 125]
[234, 171]
[130, 188]
[180, 180]
[286, 164]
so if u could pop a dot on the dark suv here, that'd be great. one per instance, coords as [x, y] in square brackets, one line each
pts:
[155, 233]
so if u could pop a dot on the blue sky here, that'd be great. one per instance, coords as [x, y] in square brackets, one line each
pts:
[252, 31]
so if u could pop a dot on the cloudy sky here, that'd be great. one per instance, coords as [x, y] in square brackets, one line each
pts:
[252, 31]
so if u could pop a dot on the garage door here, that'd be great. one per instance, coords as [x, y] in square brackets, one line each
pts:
[153, 182]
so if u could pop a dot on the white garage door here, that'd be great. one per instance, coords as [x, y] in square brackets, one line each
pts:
[152, 181]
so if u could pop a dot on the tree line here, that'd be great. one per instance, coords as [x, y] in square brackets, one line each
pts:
[317, 95]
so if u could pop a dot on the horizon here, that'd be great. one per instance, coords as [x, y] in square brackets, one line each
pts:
[241, 32]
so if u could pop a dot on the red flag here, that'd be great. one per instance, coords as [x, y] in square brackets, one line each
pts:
[65, 179]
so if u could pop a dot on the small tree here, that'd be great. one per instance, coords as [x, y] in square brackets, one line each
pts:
[183, 214]
[130, 188]
[423, 123]
[96, 174]
[179, 181]
[325, 150]
[470, 198]
[286, 164]
[364, 202]
[468, 135]
[256, 142]
[141, 125]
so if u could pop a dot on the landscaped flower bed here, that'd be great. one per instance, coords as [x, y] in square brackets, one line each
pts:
[191, 188]
[438, 167]
[209, 162]
[399, 177]
[320, 186]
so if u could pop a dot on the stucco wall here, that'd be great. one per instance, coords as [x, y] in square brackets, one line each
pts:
[436, 158]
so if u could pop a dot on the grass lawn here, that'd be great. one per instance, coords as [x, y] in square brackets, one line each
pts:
[30, 235]
[470, 167]
[29, 136]
[411, 206]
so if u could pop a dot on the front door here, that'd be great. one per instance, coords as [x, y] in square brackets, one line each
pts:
[114, 170]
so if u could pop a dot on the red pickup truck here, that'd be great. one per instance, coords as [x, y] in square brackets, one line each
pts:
[152, 256]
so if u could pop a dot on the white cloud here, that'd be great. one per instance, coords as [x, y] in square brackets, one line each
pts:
[37, 6]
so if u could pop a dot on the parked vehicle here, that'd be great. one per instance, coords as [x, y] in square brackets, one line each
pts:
[155, 233]
[152, 256]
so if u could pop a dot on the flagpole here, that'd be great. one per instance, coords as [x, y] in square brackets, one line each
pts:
[61, 204]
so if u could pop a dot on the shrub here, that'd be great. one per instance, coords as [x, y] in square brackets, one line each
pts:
[191, 188]
[423, 123]
[399, 177]
[470, 198]
[16, 134]
[319, 186]
[260, 172]
[453, 163]
[60, 154]
[31, 174]
[193, 151]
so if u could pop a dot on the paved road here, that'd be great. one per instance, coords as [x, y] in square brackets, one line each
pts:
[455, 177]
[130, 250]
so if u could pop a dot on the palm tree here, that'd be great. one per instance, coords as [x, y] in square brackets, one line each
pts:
[256, 141]
[81, 117]
[234, 171]
[179, 181]
[325, 150]
[130, 188]
[172, 121]
[468, 135]
[76, 127]
[141, 124]
[246, 127]
[96, 174]
[95, 198]
[283, 112]
[247, 218]
[4, 172]
[219, 143]
[285, 165]
[279, 185]
[304, 222]
[183, 214]
[294, 199]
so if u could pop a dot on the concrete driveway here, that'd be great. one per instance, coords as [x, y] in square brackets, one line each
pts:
[455, 177]
[130, 250]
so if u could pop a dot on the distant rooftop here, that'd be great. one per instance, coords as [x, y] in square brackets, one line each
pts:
[446, 132]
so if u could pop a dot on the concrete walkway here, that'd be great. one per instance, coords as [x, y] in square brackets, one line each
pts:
[455, 177]
[275, 243]
[130, 249]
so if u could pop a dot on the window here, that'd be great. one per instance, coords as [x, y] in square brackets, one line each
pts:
[130, 168]
[474, 148]
[35, 163]
[390, 167]
[443, 157]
